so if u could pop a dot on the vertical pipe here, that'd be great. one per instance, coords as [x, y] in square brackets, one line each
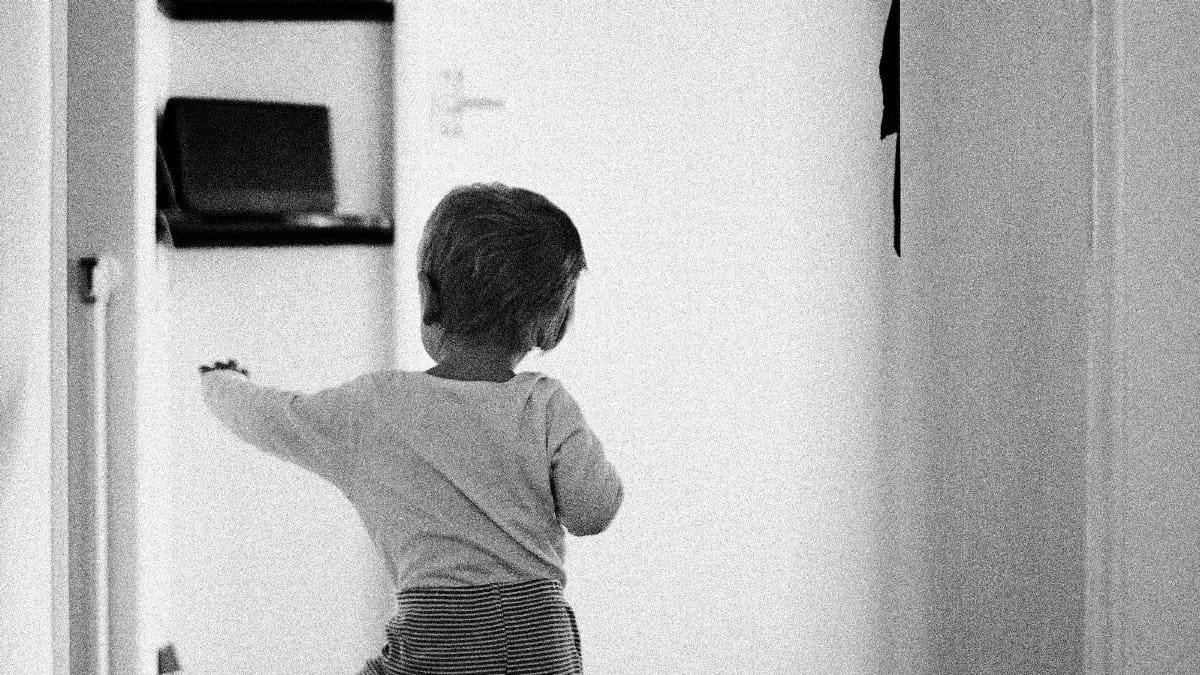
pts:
[100, 429]
[102, 274]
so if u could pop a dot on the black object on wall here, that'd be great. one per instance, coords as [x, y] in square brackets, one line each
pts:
[278, 10]
[237, 156]
[889, 75]
[253, 173]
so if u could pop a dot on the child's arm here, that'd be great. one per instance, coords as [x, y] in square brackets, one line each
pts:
[587, 490]
[314, 431]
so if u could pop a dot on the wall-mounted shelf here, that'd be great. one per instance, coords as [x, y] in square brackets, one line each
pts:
[189, 230]
[278, 10]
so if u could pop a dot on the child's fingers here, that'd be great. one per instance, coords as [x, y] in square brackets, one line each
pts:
[231, 364]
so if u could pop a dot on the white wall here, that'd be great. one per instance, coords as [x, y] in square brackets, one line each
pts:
[987, 340]
[29, 405]
[266, 557]
[723, 164]
[1156, 463]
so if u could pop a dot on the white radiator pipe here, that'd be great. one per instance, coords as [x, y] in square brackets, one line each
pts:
[102, 275]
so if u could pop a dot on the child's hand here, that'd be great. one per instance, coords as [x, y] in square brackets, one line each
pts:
[224, 365]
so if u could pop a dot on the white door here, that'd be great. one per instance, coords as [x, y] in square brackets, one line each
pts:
[722, 163]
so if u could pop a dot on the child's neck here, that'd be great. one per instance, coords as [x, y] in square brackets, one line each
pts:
[461, 359]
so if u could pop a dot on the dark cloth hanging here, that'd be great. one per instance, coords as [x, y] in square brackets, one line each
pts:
[889, 76]
[889, 73]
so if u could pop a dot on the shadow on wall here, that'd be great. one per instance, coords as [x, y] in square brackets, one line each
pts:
[12, 400]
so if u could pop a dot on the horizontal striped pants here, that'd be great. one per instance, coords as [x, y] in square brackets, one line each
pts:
[523, 627]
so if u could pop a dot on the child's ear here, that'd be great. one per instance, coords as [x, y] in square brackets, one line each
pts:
[551, 335]
[431, 305]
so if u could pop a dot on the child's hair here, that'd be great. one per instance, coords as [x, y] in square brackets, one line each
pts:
[501, 263]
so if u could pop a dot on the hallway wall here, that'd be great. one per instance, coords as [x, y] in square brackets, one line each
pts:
[987, 340]
[31, 429]
[1157, 321]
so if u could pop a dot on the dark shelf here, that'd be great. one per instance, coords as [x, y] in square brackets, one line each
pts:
[278, 10]
[189, 230]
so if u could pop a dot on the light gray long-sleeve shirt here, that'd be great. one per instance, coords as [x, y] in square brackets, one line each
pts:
[457, 482]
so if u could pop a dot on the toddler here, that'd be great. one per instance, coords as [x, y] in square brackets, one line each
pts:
[465, 475]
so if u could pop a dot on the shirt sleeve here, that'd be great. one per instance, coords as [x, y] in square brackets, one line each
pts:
[319, 432]
[587, 489]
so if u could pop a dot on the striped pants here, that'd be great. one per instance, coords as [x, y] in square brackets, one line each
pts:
[524, 627]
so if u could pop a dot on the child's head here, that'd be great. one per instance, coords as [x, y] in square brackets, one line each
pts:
[499, 264]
